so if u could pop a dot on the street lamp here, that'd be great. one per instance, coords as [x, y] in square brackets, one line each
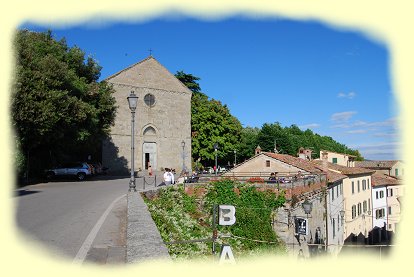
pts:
[215, 151]
[132, 102]
[307, 207]
[183, 145]
[342, 214]
[235, 159]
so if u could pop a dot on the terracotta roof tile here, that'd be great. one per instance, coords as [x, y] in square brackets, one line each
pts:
[297, 162]
[342, 169]
[375, 164]
[380, 179]
[334, 177]
[349, 155]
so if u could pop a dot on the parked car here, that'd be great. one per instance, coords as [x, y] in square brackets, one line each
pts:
[79, 170]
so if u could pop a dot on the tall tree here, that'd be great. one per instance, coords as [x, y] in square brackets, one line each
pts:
[248, 143]
[211, 122]
[58, 106]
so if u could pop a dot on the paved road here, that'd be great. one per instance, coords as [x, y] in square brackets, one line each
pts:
[71, 217]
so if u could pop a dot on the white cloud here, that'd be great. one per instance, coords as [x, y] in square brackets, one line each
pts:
[386, 134]
[349, 95]
[379, 151]
[310, 126]
[360, 131]
[343, 116]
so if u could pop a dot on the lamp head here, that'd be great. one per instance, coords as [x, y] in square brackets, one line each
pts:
[132, 101]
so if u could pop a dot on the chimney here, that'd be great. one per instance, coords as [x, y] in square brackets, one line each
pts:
[258, 150]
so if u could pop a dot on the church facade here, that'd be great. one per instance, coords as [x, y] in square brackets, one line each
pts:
[162, 120]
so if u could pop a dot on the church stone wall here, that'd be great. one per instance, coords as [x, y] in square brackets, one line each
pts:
[170, 117]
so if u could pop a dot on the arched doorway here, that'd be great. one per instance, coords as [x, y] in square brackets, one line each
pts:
[149, 148]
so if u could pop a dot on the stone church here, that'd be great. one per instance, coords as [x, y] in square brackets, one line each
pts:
[162, 120]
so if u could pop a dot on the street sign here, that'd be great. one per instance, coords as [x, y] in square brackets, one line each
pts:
[226, 255]
[301, 226]
[227, 215]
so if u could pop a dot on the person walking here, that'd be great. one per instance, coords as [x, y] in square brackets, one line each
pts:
[172, 177]
[167, 177]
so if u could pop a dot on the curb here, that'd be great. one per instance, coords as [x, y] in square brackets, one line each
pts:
[144, 241]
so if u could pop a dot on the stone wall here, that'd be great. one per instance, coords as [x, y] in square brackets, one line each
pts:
[169, 119]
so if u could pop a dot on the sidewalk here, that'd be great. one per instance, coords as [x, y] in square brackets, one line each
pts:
[144, 241]
[129, 235]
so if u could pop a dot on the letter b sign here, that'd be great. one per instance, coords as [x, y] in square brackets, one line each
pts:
[227, 215]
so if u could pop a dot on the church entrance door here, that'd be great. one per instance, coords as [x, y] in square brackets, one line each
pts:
[149, 153]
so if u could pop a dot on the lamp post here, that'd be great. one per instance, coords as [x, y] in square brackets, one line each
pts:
[183, 145]
[132, 102]
[235, 157]
[307, 207]
[342, 214]
[215, 151]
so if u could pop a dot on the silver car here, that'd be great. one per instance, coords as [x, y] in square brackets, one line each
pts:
[77, 169]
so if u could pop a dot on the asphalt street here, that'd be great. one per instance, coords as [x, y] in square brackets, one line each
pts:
[83, 221]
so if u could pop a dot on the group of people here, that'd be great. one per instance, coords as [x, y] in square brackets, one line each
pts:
[273, 177]
[169, 177]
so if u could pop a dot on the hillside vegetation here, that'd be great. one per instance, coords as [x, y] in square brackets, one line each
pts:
[186, 214]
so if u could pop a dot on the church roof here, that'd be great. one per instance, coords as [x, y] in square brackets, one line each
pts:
[148, 73]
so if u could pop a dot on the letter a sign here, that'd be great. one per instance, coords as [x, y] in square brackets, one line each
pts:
[227, 215]
[226, 255]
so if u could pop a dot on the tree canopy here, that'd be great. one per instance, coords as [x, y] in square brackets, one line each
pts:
[58, 106]
[288, 140]
[211, 122]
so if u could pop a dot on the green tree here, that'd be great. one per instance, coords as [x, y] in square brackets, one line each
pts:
[289, 139]
[248, 143]
[58, 107]
[211, 122]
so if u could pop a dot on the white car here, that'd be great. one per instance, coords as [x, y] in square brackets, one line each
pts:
[78, 170]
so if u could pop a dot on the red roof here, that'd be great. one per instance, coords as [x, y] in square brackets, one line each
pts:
[380, 179]
[375, 164]
[297, 162]
[325, 165]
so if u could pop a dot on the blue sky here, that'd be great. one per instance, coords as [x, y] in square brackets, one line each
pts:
[335, 82]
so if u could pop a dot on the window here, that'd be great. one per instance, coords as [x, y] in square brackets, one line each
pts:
[389, 210]
[353, 187]
[396, 172]
[342, 189]
[333, 227]
[381, 194]
[334, 160]
[149, 99]
[359, 208]
[364, 185]
[368, 183]
[369, 204]
[337, 191]
[338, 223]
[353, 211]
[379, 213]
[267, 163]
[391, 192]
[364, 206]
[376, 194]
[333, 194]
[359, 187]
